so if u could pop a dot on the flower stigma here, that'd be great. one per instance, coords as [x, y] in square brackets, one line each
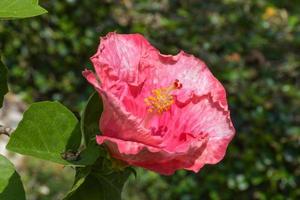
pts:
[161, 99]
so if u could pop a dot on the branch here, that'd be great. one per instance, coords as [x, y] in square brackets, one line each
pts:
[5, 130]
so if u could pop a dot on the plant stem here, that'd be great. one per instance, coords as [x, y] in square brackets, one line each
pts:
[5, 131]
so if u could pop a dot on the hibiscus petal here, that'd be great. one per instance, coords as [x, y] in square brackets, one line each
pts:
[152, 158]
[217, 123]
[92, 78]
[119, 56]
[194, 132]
[201, 119]
[214, 153]
[116, 122]
[193, 74]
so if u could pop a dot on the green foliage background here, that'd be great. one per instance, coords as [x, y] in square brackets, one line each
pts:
[252, 47]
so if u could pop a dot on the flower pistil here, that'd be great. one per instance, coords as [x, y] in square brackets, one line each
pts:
[161, 99]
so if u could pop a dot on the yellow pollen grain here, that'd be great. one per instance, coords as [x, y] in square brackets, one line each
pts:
[160, 99]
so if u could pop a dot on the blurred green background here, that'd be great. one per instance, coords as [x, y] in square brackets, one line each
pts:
[251, 46]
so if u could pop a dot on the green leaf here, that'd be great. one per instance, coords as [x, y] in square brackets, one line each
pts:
[89, 155]
[46, 131]
[90, 189]
[35, 2]
[99, 183]
[11, 187]
[103, 180]
[12, 9]
[90, 118]
[112, 183]
[90, 127]
[3, 82]
[81, 174]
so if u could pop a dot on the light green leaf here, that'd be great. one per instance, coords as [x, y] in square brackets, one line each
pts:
[3, 82]
[36, 2]
[12, 9]
[46, 131]
[11, 187]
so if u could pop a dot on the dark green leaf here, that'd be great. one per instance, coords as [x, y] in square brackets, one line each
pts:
[46, 131]
[89, 129]
[81, 174]
[89, 155]
[11, 9]
[90, 118]
[11, 187]
[3, 82]
[112, 183]
[100, 184]
[89, 189]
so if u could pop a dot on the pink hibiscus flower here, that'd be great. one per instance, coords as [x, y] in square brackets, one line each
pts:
[161, 112]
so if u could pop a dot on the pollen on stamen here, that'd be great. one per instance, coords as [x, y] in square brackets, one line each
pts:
[161, 99]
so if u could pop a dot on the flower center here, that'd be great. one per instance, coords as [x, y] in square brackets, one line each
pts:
[161, 99]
